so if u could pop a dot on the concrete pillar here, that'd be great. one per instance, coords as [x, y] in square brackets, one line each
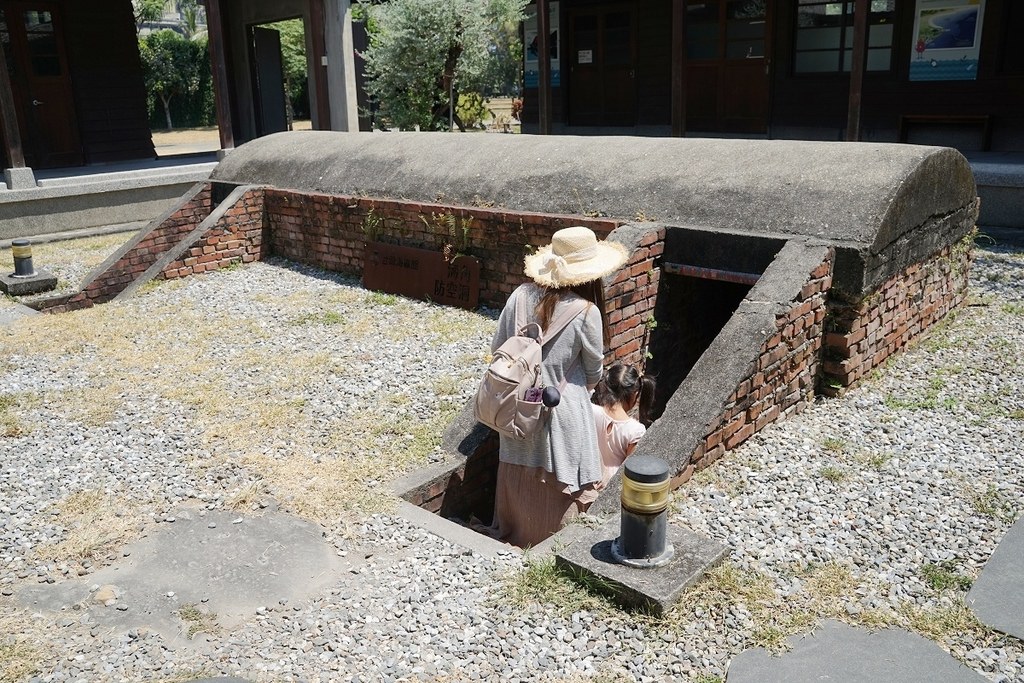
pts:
[341, 70]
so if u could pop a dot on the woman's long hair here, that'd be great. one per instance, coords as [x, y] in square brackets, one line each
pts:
[592, 291]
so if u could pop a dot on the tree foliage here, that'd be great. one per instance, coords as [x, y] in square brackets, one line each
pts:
[147, 11]
[174, 67]
[423, 52]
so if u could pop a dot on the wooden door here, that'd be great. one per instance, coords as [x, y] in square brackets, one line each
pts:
[41, 82]
[602, 66]
[727, 65]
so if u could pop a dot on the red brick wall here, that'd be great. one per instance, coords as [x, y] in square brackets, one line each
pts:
[237, 237]
[138, 257]
[863, 334]
[630, 298]
[781, 382]
[330, 232]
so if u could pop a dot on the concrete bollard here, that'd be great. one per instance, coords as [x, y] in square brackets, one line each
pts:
[642, 533]
[22, 251]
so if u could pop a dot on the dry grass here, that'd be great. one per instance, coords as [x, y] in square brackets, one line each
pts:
[95, 524]
[774, 617]
[245, 391]
[11, 408]
[88, 252]
[197, 620]
[21, 649]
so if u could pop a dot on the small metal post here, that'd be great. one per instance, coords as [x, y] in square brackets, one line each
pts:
[22, 251]
[641, 542]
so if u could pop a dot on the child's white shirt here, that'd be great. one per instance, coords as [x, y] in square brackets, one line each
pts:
[614, 437]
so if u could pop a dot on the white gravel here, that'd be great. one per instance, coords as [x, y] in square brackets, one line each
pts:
[923, 464]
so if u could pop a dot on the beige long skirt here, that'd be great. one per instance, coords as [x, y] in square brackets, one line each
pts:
[530, 505]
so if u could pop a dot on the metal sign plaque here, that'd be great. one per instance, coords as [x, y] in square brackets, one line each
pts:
[422, 274]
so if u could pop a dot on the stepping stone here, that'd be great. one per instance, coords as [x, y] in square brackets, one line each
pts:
[839, 653]
[231, 567]
[997, 597]
[12, 313]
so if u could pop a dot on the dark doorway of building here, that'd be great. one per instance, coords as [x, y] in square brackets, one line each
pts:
[602, 66]
[726, 66]
[279, 75]
[33, 43]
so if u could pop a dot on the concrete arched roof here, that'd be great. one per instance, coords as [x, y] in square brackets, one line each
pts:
[866, 198]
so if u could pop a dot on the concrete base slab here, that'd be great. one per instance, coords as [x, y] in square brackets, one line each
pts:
[225, 564]
[12, 313]
[655, 589]
[42, 281]
[997, 597]
[19, 178]
[843, 654]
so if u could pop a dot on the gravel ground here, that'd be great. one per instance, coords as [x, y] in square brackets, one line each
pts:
[878, 507]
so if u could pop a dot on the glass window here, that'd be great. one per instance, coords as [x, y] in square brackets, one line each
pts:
[824, 36]
[702, 29]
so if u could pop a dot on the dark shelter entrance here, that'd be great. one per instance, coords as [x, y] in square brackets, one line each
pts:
[705, 276]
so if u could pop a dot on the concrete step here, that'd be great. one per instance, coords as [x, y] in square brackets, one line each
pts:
[1000, 180]
[77, 199]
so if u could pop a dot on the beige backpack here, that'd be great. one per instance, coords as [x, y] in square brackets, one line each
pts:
[509, 398]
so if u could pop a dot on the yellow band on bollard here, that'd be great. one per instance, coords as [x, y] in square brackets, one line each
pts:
[22, 251]
[644, 498]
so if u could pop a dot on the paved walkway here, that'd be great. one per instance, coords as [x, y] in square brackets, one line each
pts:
[997, 597]
[842, 654]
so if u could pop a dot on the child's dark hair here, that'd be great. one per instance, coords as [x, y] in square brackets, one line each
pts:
[624, 384]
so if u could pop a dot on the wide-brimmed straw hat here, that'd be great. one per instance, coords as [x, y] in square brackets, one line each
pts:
[574, 256]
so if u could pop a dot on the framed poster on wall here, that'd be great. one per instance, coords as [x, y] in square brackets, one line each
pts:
[947, 40]
[531, 74]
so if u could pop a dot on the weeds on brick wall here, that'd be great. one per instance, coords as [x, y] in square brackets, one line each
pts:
[453, 229]
[373, 224]
[958, 258]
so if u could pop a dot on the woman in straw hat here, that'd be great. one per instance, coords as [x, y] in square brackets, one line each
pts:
[545, 481]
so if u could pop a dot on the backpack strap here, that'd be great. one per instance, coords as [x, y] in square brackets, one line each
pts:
[557, 325]
[562, 320]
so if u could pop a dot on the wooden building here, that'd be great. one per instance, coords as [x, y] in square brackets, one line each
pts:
[71, 82]
[75, 92]
[933, 71]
